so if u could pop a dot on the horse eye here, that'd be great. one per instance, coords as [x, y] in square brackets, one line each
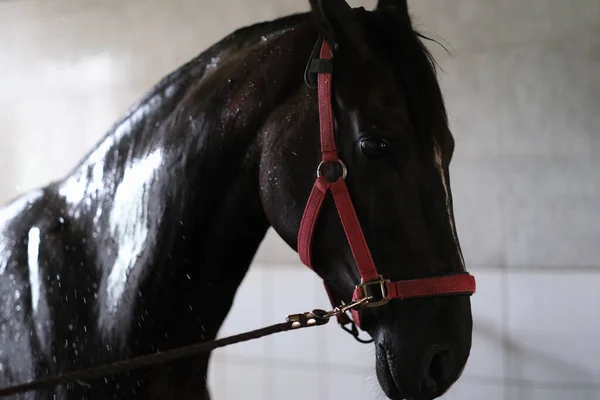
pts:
[372, 147]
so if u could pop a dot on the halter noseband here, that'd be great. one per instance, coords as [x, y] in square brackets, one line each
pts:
[373, 286]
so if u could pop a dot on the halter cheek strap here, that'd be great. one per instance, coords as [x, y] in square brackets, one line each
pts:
[378, 289]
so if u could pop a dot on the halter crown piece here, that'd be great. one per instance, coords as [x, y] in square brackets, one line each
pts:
[373, 285]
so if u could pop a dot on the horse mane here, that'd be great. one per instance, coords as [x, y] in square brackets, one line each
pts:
[397, 40]
[165, 104]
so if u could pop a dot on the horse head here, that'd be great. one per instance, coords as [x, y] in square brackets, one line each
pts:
[393, 147]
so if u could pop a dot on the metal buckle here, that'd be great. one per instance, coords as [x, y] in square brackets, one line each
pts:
[341, 164]
[378, 297]
[339, 310]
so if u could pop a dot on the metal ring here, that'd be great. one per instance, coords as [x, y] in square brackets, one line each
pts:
[340, 162]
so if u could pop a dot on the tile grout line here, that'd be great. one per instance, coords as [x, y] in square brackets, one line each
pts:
[323, 388]
[505, 294]
[550, 269]
[267, 300]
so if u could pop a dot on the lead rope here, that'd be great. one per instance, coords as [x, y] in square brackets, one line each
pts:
[293, 322]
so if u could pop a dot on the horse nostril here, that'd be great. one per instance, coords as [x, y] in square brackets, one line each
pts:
[437, 368]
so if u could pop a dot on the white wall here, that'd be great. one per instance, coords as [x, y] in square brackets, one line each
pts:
[523, 91]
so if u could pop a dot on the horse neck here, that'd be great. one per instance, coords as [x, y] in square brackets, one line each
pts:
[172, 224]
[170, 198]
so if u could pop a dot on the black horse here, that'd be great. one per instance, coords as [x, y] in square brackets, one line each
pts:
[141, 248]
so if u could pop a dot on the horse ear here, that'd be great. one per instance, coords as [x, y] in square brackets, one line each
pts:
[338, 24]
[397, 7]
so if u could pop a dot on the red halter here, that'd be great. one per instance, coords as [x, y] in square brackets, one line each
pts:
[372, 284]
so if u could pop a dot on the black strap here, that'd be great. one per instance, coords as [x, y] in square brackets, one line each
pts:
[310, 75]
[321, 66]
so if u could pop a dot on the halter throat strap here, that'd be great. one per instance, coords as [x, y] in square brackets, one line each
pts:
[373, 285]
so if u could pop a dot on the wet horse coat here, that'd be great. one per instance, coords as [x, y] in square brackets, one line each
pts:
[142, 246]
[93, 267]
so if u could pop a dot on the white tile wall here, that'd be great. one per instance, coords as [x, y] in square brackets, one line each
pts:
[532, 392]
[352, 386]
[553, 327]
[552, 222]
[474, 26]
[487, 357]
[274, 250]
[555, 118]
[466, 389]
[238, 380]
[297, 384]
[475, 88]
[522, 90]
[476, 178]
